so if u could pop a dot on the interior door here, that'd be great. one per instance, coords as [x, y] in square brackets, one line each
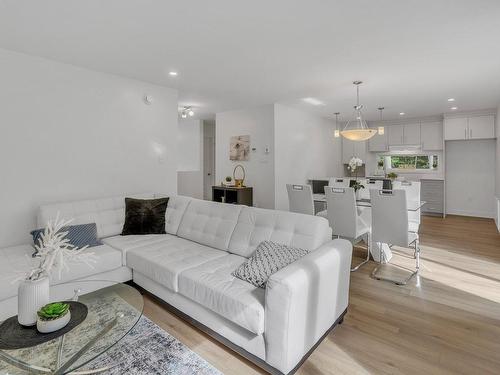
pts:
[208, 166]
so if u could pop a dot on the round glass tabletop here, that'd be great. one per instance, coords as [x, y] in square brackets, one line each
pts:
[113, 310]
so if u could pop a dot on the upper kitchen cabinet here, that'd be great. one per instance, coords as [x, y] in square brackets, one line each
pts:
[395, 134]
[353, 148]
[482, 127]
[455, 128]
[378, 143]
[432, 136]
[411, 134]
[407, 134]
[469, 127]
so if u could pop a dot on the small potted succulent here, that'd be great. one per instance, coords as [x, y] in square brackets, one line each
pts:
[392, 176]
[53, 317]
[228, 180]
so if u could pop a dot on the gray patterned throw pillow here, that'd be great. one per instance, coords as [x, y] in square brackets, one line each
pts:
[268, 258]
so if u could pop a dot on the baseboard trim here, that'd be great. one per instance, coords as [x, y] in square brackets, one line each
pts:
[239, 350]
[486, 215]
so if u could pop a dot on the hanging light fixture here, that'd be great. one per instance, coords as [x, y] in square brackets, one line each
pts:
[356, 129]
[336, 133]
[381, 129]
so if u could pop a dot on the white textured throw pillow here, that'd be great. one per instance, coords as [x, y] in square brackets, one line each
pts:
[268, 258]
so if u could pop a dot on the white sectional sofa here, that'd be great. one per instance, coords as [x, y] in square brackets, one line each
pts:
[189, 268]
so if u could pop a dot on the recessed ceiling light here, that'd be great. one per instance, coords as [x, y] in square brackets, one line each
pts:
[313, 101]
[172, 73]
[451, 99]
[453, 108]
[401, 113]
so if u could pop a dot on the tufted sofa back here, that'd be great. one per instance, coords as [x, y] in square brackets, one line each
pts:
[237, 229]
[107, 213]
[209, 223]
[256, 225]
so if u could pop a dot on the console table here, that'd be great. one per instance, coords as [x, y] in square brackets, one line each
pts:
[232, 194]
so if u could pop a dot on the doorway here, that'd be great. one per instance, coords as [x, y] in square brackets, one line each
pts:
[208, 158]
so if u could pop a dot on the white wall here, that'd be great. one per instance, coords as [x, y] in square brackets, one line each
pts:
[189, 145]
[304, 147]
[259, 124]
[190, 184]
[68, 133]
[470, 177]
[497, 185]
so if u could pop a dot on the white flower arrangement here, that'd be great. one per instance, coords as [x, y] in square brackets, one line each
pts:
[354, 163]
[55, 253]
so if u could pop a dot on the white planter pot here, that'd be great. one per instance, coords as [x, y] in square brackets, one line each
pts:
[31, 296]
[47, 326]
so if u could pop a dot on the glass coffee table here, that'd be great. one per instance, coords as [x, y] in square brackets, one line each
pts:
[113, 311]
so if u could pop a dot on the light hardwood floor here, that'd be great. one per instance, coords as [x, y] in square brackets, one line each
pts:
[446, 322]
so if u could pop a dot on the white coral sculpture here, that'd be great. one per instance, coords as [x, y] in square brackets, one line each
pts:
[55, 253]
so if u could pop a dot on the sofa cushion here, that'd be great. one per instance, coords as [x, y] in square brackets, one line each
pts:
[17, 261]
[268, 259]
[256, 225]
[79, 235]
[176, 208]
[163, 261]
[126, 243]
[107, 213]
[209, 223]
[212, 285]
[144, 216]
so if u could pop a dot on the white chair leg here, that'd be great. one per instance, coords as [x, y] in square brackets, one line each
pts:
[375, 272]
[367, 254]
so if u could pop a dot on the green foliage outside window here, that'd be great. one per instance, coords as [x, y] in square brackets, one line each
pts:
[414, 161]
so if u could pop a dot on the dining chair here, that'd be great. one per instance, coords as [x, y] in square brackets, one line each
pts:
[344, 219]
[300, 199]
[339, 182]
[412, 189]
[370, 184]
[390, 225]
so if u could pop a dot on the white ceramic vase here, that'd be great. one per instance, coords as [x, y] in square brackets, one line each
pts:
[358, 194]
[31, 296]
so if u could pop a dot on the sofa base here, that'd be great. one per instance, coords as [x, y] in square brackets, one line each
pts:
[241, 351]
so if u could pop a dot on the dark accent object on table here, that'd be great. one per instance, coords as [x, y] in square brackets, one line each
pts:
[144, 216]
[15, 336]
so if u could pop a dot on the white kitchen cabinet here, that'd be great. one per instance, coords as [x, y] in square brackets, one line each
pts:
[407, 134]
[378, 143]
[432, 136]
[481, 127]
[395, 134]
[353, 148]
[455, 128]
[411, 134]
[472, 127]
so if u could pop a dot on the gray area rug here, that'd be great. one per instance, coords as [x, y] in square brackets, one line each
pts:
[150, 350]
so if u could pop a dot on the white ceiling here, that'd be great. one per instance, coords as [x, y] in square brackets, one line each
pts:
[230, 54]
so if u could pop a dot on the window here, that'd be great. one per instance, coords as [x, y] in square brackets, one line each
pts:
[411, 162]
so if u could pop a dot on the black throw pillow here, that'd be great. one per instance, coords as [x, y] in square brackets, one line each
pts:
[144, 216]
